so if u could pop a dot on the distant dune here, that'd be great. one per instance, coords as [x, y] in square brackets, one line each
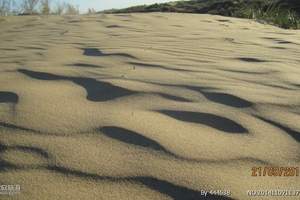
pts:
[146, 106]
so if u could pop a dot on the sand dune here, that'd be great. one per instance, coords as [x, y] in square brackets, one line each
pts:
[146, 106]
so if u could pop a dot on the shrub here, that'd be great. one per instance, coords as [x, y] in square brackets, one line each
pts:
[271, 13]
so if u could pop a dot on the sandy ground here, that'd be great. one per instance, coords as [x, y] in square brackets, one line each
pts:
[146, 106]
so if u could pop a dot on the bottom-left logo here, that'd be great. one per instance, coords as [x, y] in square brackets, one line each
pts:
[10, 189]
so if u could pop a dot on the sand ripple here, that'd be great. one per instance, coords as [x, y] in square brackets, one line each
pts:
[146, 106]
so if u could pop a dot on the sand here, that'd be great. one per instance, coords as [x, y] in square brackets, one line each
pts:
[146, 106]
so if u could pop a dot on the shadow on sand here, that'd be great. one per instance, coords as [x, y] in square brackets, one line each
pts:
[174, 191]
[227, 99]
[291, 132]
[84, 65]
[130, 137]
[254, 60]
[97, 91]
[214, 121]
[97, 52]
[8, 97]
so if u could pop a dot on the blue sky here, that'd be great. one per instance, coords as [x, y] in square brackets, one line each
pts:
[108, 4]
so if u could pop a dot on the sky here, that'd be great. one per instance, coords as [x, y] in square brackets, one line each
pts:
[99, 5]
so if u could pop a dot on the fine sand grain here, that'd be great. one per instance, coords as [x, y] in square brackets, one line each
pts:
[146, 106]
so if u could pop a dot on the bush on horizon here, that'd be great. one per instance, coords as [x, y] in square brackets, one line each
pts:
[282, 13]
[273, 14]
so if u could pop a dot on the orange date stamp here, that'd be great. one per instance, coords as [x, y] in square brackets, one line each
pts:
[275, 171]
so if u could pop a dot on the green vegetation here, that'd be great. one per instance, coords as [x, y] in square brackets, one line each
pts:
[282, 13]
[272, 13]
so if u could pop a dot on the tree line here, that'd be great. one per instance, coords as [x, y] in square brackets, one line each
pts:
[37, 7]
